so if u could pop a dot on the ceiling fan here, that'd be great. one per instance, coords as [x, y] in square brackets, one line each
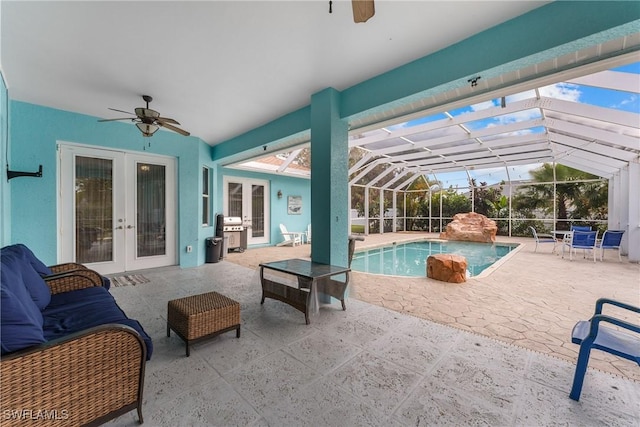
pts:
[148, 120]
[362, 10]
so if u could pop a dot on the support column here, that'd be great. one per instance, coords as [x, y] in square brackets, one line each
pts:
[633, 242]
[329, 180]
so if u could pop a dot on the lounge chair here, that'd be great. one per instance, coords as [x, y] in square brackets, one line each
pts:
[585, 240]
[307, 234]
[592, 334]
[543, 238]
[610, 240]
[290, 238]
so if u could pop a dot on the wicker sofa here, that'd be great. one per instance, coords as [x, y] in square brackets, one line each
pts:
[70, 356]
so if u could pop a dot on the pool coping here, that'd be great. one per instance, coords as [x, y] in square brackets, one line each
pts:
[486, 272]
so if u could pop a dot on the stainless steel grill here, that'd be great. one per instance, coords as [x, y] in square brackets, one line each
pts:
[235, 232]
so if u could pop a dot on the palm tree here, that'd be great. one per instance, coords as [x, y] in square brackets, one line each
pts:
[569, 195]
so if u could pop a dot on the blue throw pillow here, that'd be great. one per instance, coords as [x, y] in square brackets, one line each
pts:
[38, 265]
[36, 286]
[11, 278]
[18, 329]
[20, 260]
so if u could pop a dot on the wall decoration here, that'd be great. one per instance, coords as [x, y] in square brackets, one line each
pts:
[294, 205]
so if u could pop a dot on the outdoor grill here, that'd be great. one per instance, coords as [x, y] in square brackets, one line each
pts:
[235, 232]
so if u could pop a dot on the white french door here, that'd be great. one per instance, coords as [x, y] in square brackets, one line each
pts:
[249, 200]
[116, 209]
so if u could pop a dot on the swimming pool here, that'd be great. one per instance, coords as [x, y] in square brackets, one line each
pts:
[410, 259]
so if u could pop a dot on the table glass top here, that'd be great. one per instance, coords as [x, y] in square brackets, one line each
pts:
[304, 268]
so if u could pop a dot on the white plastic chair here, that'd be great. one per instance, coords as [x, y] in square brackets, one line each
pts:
[307, 234]
[290, 238]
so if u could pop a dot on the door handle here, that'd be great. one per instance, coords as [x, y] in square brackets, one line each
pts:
[119, 227]
[130, 226]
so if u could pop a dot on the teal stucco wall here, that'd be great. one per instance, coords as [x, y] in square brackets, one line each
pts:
[34, 142]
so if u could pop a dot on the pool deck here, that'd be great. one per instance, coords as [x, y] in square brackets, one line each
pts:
[531, 300]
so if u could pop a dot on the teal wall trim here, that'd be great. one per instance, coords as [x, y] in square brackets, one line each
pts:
[329, 179]
[33, 200]
[285, 126]
[558, 28]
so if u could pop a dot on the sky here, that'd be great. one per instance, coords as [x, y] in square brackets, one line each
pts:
[623, 101]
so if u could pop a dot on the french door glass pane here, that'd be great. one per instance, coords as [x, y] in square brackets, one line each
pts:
[257, 210]
[94, 209]
[235, 199]
[151, 210]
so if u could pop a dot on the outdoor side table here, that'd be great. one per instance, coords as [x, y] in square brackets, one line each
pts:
[312, 278]
[203, 316]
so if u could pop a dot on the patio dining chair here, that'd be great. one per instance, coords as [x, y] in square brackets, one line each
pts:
[543, 238]
[623, 341]
[610, 240]
[580, 228]
[585, 240]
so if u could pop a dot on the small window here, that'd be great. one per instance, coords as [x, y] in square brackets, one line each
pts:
[206, 217]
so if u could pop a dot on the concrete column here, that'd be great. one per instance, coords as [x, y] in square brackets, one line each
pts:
[633, 194]
[329, 180]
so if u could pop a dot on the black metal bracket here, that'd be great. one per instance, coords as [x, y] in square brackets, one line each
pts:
[15, 174]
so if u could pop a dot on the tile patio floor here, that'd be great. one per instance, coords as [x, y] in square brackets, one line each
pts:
[382, 362]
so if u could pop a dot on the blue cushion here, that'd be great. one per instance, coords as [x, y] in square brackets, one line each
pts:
[11, 279]
[23, 250]
[77, 311]
[70, 300]
[18, 260]
[18, 329]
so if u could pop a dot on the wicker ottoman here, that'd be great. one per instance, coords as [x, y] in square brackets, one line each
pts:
[202, 316]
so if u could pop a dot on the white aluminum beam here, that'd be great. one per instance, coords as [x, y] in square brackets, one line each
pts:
[593, 147]
[590, 133]
[586, 168]
[614, 80]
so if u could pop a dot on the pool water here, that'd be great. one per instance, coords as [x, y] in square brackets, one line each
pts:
[410, 259]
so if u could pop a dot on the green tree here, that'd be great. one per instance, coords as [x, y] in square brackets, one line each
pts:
[485, 198]
[579, 200]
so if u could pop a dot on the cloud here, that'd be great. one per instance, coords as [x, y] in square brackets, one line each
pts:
[632, 99]
[565, 91]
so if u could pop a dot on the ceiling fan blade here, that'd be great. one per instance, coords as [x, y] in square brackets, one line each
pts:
[121, 118]
[167, 120]
[173, 128]
[121, 111]
[362, 10]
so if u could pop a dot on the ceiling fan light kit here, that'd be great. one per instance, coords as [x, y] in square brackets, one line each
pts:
[148, 120]
[147, 129]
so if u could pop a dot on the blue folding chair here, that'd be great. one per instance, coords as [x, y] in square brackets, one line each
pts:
[580, 228]
[610, 240]
[585, 240]
[592, 334]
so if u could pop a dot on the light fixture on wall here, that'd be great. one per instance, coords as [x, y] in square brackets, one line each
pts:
[279, 194]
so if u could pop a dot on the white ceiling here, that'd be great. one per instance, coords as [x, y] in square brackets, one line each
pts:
[220, 68]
